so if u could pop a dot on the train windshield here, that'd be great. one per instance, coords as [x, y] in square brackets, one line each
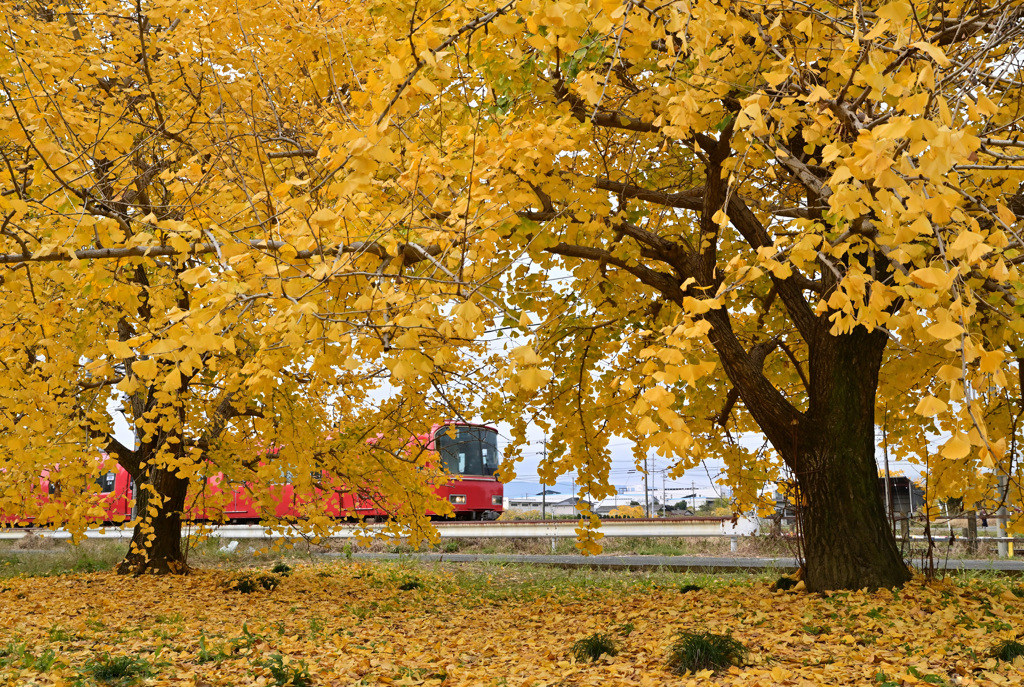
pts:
[468, 450]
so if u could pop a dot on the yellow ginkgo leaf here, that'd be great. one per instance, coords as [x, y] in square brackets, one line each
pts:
[172, 382]
[957, 447]
[945, 329]
[532, 378]
[930, 406]
[933, 52]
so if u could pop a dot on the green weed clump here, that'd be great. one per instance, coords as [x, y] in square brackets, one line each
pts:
[690, 588]
[693, 651]
[1008, 650]
[593, 647]
[59, 634]
[206, 655]
[119, 671]
[281, 568]
[784, 582]
[249, 581]
[288, 675]
[15, 654]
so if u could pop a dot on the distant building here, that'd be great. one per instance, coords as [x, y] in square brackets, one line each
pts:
[693, 496]
[607, 505]
[906, 496]
[555, 505]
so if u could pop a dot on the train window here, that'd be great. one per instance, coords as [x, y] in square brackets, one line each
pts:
[471, 451]
[106, 482]
[491, 458]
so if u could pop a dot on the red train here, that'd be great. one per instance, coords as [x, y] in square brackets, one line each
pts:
[468, 452]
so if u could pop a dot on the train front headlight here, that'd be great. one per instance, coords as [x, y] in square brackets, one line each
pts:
[457, 499]
[495, 500]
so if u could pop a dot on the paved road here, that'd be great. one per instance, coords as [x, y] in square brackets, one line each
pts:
[678, 563]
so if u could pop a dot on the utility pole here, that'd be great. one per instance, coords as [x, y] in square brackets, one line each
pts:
[544, 487]
[647, 497]
[664, 502]
[576, 499]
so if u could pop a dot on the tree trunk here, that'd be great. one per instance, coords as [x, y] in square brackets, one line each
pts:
[156, 542]
[848, 542]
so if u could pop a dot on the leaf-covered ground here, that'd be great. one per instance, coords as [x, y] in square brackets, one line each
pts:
[354, 623]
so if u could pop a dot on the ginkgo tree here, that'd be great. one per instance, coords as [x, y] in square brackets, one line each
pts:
[721, 219]
[195, 236]
[769, 208]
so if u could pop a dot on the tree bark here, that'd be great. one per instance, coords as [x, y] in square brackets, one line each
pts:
[848, 542]
[156, 542]
[160, 495]
[972, 532]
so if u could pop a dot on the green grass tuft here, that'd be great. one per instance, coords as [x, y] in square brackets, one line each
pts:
[694, 651]
[817, 630]
[249, 581]
[1008, 650]
[119, 671]
[690, 588]
[784, 582]
[288, 675]
[59, 634]
[281, 568]
[591, 648]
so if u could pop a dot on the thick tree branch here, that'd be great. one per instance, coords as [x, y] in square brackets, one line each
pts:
[796, 363]
[771, 410]
[803, 173]
[302, 152]
[757, 355]
[715, 191]
[959, 29]
[222, 415]
[754, 233]
[126, 457]
[691, 199]
[777, 417]
[410, 253]
[662, 282]
[612, 120]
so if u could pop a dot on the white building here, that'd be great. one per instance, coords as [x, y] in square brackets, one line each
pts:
[607, 505]
[554, 505]
[672, 493]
